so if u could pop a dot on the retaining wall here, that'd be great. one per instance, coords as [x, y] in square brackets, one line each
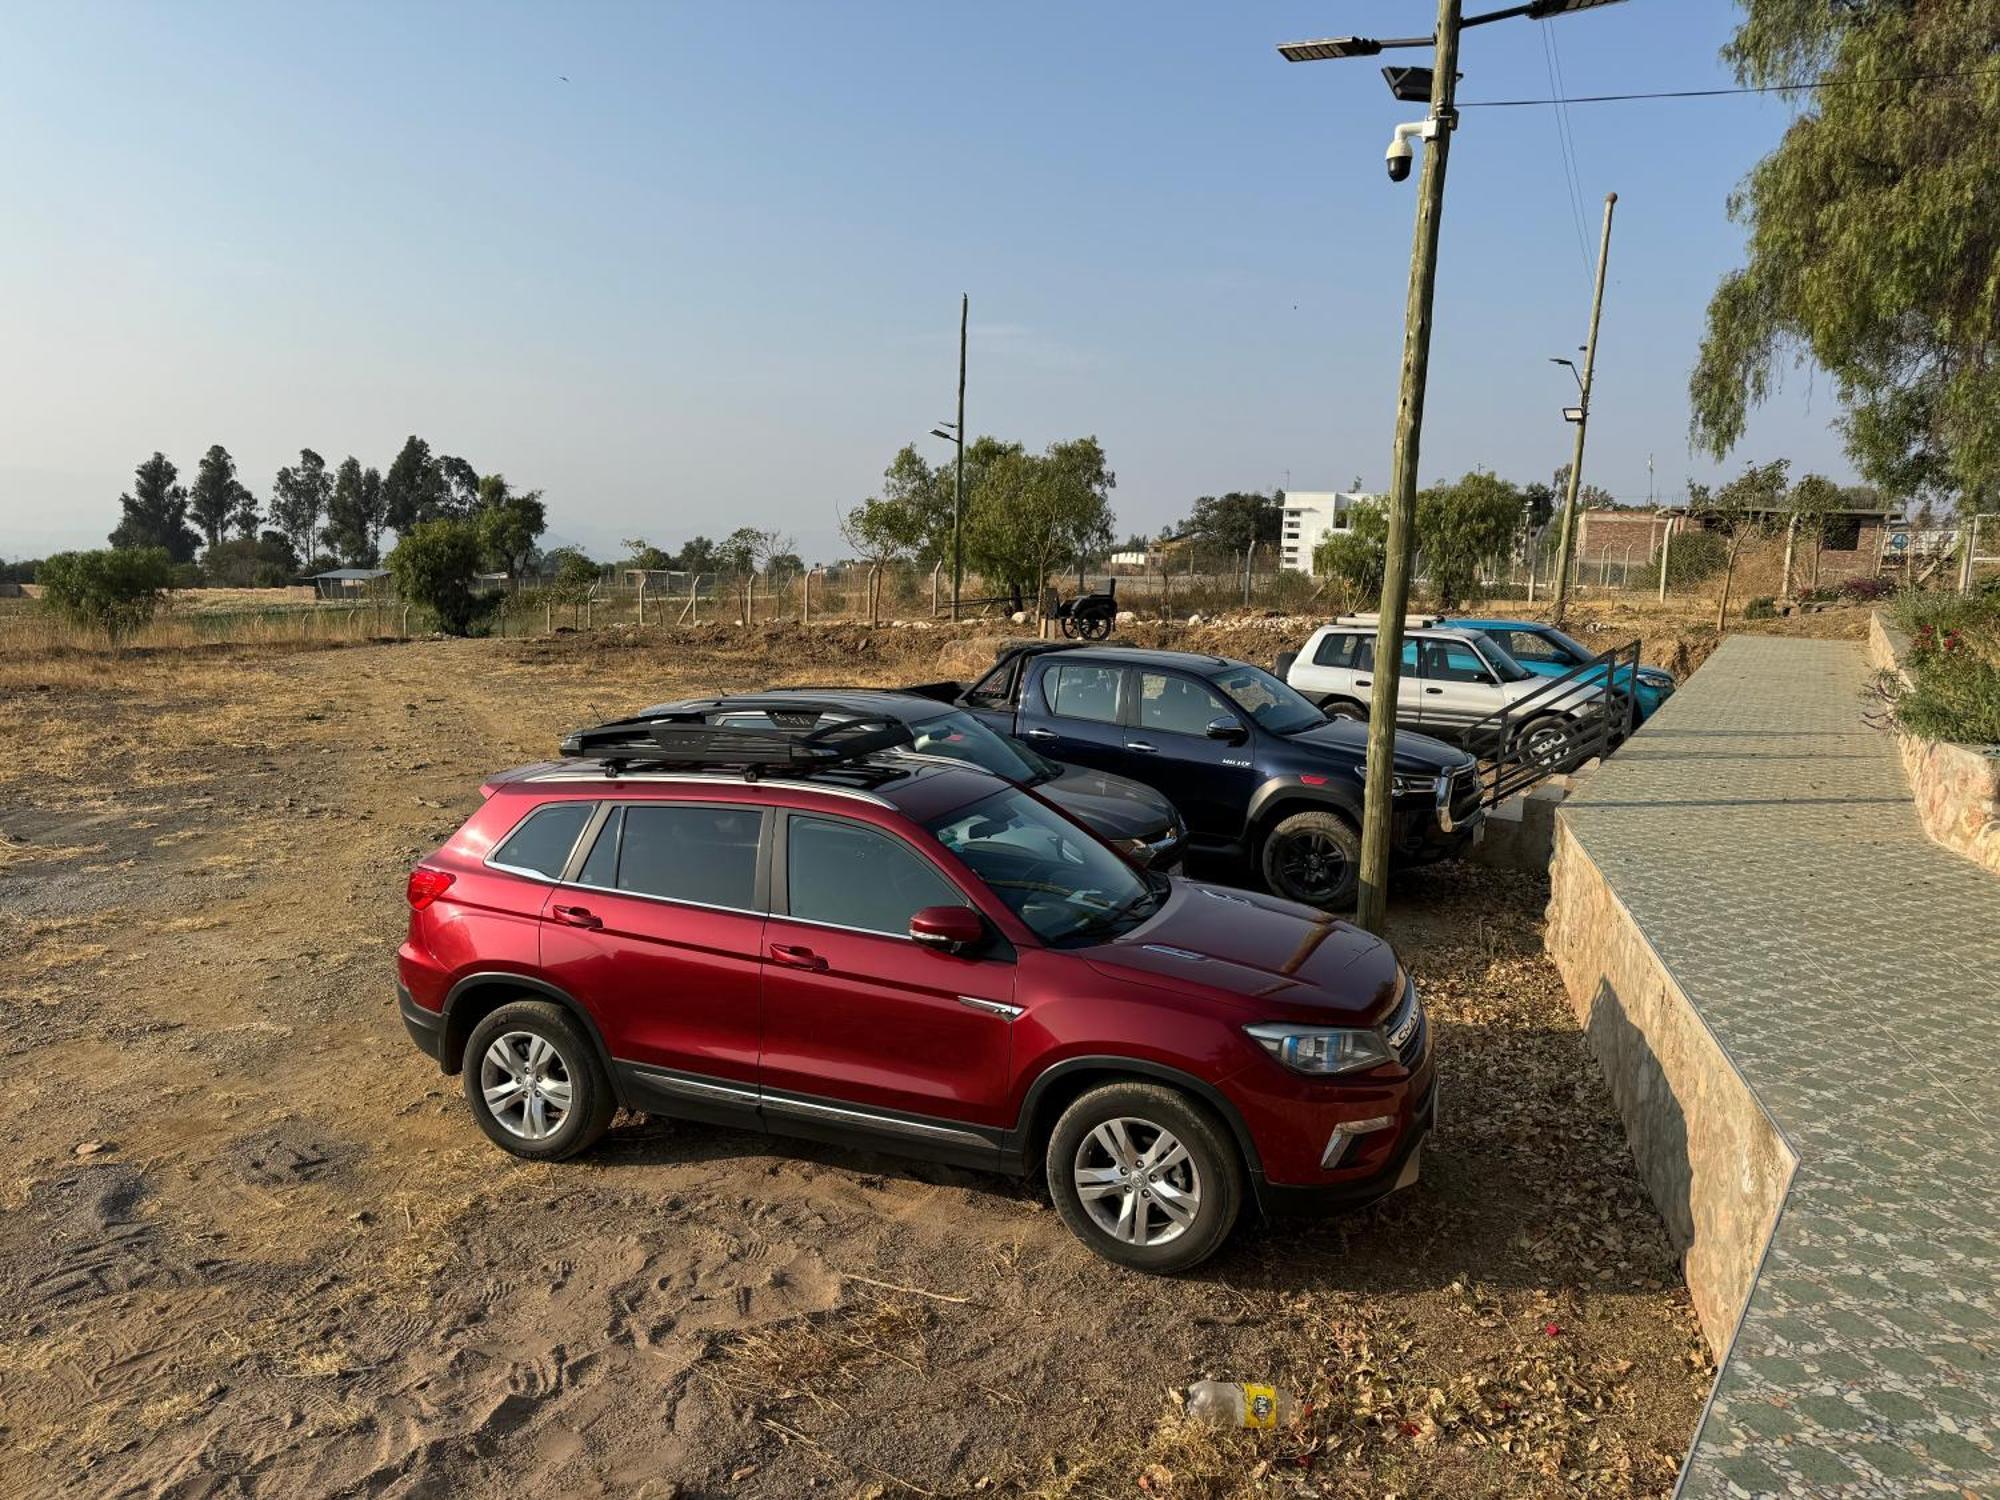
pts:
[1956, 787]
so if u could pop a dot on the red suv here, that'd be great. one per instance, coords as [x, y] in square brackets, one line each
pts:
[821, 935]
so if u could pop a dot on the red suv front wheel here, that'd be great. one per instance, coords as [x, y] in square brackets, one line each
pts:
[1144, 1176]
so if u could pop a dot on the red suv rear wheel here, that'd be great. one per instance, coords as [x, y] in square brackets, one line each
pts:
[535, 1083]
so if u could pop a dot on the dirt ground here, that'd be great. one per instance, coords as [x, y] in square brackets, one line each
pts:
[253, 1245]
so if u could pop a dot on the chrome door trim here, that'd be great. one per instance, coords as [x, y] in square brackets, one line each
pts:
[999, 1008]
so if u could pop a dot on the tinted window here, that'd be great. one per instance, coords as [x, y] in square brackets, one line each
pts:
[601, 868]
[702, 854]
[1060, 881]
[959, 736]
[543, 843]
[1364, 654]
[1343, 651]
[857, 877]
[1177, 705]
[1085, 692]
[1274, 706]
[1450, 661]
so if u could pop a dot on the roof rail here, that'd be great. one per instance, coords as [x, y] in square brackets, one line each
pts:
[1410, 622]
[685, 739]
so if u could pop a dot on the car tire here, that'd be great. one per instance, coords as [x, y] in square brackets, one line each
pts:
[1546, 741]
[1118, 1126]
[1345, 708]
[1304, 844]
[535, 1082]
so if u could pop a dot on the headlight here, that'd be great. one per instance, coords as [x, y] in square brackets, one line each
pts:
[1411, 786]
[1321, 1049]
[1657, 679]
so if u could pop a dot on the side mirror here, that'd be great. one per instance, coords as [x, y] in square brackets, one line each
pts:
[948, 929]
[1229, 729]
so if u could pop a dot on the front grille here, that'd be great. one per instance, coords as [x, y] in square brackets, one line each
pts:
[1464, 795]
[1410, 1051]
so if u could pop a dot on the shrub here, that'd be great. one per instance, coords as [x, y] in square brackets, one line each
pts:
[434, 565]
[1763, 607]
[1954, 664]
[113, 589]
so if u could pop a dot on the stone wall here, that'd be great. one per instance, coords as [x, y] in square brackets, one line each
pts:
[1714, 1163]
[1956, 787]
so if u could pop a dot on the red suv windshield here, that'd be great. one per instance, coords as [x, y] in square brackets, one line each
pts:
[1060, 881]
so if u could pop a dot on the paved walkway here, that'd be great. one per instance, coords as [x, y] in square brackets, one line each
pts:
[1764, 840]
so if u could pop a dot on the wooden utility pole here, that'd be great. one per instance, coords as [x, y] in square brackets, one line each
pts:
[1378, 807]
[1583, 417]
[958, 483]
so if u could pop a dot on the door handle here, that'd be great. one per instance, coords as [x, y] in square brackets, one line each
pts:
[1139, 745]
[1364, 682]
[1434, 690]
[792, 956]
[576, 916]
[1038, 734]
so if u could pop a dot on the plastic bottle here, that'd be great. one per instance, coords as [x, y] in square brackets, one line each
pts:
[1226, 1403]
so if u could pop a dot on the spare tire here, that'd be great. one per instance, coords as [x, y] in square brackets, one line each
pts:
[1284, 664]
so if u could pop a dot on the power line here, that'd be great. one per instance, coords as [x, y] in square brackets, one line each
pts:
[1768, 88]
[1571, 185]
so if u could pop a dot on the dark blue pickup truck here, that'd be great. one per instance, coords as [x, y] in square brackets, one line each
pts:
[1259, 774]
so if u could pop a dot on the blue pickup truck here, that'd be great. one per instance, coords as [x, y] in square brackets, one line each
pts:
[1547, 652]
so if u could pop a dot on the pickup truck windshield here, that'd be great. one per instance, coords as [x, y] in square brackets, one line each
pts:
[959, 736]
[1055, 877]
[1274, 706]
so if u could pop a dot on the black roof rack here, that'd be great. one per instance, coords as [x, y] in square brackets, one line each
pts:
[684, 738]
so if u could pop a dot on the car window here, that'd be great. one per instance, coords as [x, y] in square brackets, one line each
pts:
[959, 736]
[1059, 880]
[1525, 645]
[542, 843]
[1177, 705]
[996, 688]
[706, 855]
[1454, 661]
[601, 866]
[850, 876]
[1364, 654]
[1343, 650]
[1081, 691]
[1276, 708]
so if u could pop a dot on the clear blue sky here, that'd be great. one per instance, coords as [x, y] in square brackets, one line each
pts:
[713, 278]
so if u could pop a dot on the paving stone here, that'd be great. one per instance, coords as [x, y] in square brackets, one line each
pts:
[1764, 839]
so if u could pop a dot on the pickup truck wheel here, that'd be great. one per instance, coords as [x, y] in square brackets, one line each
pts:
[1144, 1176]
[1344, 708]
[1314, 858]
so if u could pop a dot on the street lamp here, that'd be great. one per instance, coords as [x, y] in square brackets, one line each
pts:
[954, 433]
[1436, 129]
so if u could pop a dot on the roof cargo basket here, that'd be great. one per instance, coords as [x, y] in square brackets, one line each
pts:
[794, 748]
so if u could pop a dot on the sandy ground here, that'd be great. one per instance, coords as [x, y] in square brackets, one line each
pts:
[252, 1243]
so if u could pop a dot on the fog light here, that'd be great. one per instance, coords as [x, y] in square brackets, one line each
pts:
[1338, 1142]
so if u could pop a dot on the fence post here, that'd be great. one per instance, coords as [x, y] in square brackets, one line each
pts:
[1970, 551]
[874, 593]
[1785, 576]
[806, 597]
[936, 573]
[642, 602]
[1666, 550]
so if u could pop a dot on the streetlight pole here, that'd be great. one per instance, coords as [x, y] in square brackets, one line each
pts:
[958, 481]
[1378, 804]
[1583, 417]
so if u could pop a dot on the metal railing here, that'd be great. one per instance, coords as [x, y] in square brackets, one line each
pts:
[1538, 736]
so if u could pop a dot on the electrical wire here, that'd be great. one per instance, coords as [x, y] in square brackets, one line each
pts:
[1571, 183]
[1768, 88]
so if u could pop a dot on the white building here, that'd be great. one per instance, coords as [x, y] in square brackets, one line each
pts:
[1310, 515]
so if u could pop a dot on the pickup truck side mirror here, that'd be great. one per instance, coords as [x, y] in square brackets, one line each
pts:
[1229, 729]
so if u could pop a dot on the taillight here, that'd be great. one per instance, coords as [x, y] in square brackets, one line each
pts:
[426, 885]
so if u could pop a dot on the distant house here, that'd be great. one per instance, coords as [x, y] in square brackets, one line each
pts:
[347, 583]
[1310, 515]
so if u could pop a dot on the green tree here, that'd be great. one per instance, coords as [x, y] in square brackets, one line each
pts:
[1038, 513]
[217, 495]
[155, 512]
[509, 524]
[460, 486]
[697, 556]
[880, 531]
[435, 564]
[1357, 555]
[415, 488]
[644, 556]
[351, 527]
[1872, 233]
[300, 495]
[1230, 523]
[115, 590]
[1463, 526]
[250, 562]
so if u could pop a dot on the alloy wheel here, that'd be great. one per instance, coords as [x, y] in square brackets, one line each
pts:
[526, 1085]
[1313, 865]
[1137, 1181]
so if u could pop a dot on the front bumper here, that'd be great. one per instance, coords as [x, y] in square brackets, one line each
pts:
[426, 1027]
[1399, 1170]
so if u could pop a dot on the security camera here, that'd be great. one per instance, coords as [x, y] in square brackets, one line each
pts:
[1400, 153]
